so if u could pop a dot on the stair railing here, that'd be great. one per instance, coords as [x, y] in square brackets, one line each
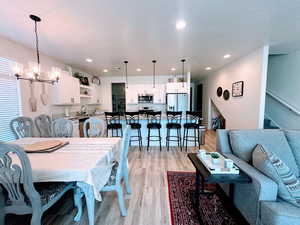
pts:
[283, 102]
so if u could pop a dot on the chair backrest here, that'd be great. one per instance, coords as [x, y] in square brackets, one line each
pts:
[174, 117]
[193, 117]
[154, 117]
[43, 125]
[22, 127]
[132, 117]
[93, 127]
[16, 180]
[62, 128]
[112, 117]
[123, 153]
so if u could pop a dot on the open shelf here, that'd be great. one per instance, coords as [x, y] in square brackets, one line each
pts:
[86, 96]
[85, 87]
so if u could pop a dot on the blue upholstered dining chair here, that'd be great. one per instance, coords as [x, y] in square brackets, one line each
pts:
[22, 127]
[62, 128]
[43, 125]
[19, 195]
[118, 173]
[93, 127]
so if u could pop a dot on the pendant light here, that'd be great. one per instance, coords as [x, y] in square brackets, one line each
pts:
[153, 61]
[33, 72]
[126, 75]
[183, 61]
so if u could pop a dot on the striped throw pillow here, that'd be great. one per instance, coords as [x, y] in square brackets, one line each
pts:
[272, 166]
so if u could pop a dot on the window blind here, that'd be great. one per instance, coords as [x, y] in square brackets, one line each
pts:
[9, 100]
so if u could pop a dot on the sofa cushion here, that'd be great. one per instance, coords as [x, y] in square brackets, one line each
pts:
[279, 213]
[293, 137]
[244, 141]
[271, 165]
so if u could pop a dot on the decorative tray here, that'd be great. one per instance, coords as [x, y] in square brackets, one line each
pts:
[45, 146]
[217, 168]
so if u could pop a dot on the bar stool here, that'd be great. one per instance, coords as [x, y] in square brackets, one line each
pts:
[113, 123]
[154, 123]
[193, 122]
[174, 123]
[133, 119]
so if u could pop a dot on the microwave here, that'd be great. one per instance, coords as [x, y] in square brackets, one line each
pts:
[145, 99]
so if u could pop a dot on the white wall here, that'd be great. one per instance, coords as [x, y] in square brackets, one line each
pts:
[19, 53]
[245, 112]
[284, 81]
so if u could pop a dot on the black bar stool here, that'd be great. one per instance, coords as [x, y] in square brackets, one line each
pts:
[133, 119]
[154, 123]
[193, 122]
[174, 123]
[113, 123]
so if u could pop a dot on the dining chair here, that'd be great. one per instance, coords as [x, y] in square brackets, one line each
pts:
[119, 172]
[22, 127]
[62, 127]
[19, 194]
[43, 125]
[93, 127]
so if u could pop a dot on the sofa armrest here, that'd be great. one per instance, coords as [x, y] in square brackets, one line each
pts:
[266, 188]
[247, 197]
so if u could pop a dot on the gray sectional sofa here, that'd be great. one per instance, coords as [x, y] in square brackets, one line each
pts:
[258, 201]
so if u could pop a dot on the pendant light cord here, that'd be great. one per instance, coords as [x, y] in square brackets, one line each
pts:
[37, 43]
[126, 75]
[183, 61]
[154, 61]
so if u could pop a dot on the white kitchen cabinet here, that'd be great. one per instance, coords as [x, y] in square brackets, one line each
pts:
[66, 91]
[159, 94]
[95, 93]
[177, 87]
[132, 93]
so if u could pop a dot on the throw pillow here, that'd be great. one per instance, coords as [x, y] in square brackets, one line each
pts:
[272, 166]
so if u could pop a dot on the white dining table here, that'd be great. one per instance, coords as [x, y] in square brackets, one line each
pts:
[86, 161]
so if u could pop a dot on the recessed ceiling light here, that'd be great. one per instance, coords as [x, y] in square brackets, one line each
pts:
[105, 70]
[208, 68]
[180, 24]
[227, 56]
[138, 70]
[89, 60]
[173, 69]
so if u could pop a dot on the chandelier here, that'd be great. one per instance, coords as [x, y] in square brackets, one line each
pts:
[34, 73]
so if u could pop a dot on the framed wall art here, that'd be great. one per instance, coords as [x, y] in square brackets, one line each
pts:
[238, 89]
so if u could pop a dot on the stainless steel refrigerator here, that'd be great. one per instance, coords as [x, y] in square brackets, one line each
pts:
[177, 102]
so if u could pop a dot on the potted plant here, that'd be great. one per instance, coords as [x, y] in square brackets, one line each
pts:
[215, 157]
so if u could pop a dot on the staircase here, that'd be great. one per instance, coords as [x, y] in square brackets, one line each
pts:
[280, 114]
[268, 124]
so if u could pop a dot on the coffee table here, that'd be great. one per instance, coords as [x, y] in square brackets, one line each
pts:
[204, 176]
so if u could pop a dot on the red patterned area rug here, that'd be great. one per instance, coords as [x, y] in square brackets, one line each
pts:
[215, 209]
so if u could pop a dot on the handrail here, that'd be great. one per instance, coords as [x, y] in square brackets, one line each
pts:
[283, 102]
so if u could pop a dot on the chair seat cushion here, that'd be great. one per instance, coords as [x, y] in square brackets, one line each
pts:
[48, 191]
[135, 125]
[114, 126]
[113, 174]
[243, 143]
[279, 213]
[272, 166]
[173, 125]
[191, 126]
[153, 125]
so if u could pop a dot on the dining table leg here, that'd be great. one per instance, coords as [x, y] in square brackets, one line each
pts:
[90, 200]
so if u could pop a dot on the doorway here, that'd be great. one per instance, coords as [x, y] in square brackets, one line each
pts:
[118, 97]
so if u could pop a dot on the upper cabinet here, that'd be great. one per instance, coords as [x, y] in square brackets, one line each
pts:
[66, 91]
[177, 87]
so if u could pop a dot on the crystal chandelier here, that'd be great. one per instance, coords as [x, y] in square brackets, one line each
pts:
[33, 73]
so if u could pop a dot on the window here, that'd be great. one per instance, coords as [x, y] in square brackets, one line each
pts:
[9, 100]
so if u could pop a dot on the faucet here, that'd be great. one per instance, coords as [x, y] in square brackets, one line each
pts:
[83, 109]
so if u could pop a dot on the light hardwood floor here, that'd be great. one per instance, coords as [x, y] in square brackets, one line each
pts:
[148, 204]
